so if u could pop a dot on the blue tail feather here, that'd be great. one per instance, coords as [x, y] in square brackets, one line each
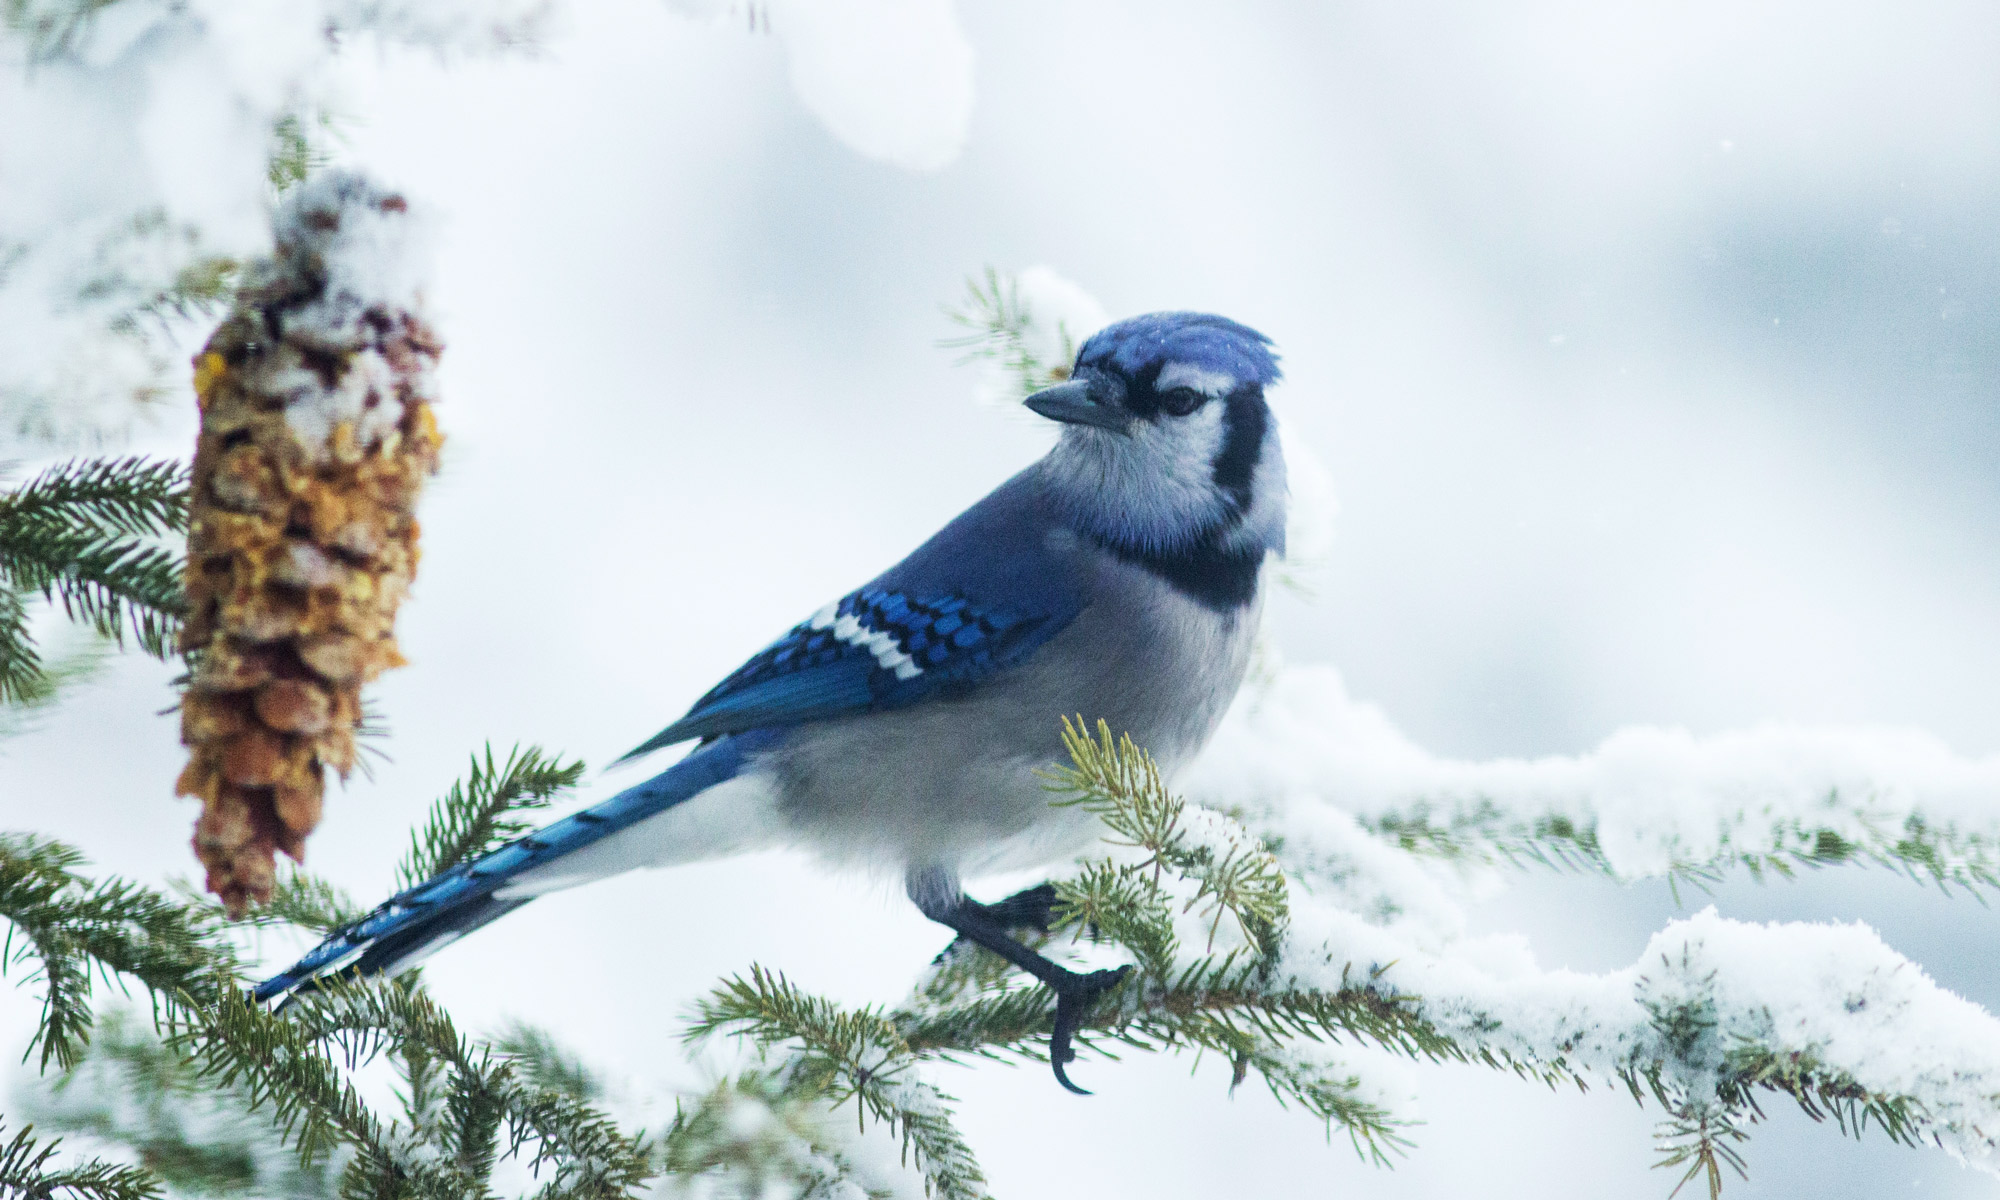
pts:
[461, 899]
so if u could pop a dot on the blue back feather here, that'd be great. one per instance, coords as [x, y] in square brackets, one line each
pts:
[925, 605]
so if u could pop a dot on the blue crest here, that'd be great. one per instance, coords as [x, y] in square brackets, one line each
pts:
[1202, 339]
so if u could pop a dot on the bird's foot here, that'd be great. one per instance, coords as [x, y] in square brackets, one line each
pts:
[1029, 908]
[1075, 994]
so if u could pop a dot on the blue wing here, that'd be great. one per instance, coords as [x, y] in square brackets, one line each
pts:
[877, 648]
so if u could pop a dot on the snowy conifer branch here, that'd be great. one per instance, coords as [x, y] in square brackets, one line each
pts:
[844, 1055]
[82, 535]
[1646, 803]
[544, 1062]
[25, 1172]
[1484, 833]
[75, 930]
[1717, 1014]
[759, 1131]
[130, 1089]
[139, 497]
[1024, 328]
[301, 899]
[1717, 1011]
[298, 1065]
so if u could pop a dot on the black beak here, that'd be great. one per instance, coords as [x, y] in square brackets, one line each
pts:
[1071, 403]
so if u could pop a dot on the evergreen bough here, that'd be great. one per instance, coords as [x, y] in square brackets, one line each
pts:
[87, 535]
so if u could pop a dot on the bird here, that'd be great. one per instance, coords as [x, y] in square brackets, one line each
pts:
[904, 726]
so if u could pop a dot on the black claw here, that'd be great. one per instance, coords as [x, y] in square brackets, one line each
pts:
[1073, 1000]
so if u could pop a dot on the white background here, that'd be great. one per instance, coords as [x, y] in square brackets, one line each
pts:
[1651, 347]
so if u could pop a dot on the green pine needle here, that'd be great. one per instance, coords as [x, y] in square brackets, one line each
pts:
[996, 322]
[544, 1062]
[482, 811]
[25, 1172]
[74, 930]
[83, 535]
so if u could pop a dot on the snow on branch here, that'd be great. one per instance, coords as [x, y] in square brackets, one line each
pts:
[1299, 759]
[1232, 956]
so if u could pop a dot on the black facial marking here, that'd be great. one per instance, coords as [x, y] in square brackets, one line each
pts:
[1140, 398]
[1207, 572]
[1244, 423]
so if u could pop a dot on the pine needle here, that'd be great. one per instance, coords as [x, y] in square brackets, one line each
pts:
[483, 810]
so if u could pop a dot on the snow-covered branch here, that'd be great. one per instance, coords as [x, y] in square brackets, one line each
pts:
[1235, 957]
[1306, 765]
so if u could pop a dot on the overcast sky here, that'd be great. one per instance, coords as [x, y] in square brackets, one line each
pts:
[1652, 348]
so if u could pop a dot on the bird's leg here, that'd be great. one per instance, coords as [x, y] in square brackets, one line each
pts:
[988, 925]
[1029, 908]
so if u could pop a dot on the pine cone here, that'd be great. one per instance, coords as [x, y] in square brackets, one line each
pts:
[316, 438]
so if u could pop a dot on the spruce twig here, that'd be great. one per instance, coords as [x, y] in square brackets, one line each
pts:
[997, 323]
[74, 929]
[81, 534]
[25, 1172]
[483, 810]
[1485, 834]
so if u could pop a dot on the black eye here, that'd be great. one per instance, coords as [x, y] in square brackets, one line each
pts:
[1181, 401]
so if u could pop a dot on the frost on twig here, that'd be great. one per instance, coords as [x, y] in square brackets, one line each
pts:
[1298, 756]
[316, 438]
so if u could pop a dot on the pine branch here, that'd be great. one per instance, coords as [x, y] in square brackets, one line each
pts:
[588, 1154]
[309, 902]
[756, 1134]
[1485, 834]
[112, 584]
[299, 898]
[841, 1055]
[139, 497]
[997, 324]
[280, 1065]
[52, 681]
[133, 1091]
[198, 289]
[74, 929]
[1185, 874]
[1374, 1131]
[23, 679]
[546, 1064]
[79, 534]
[1232, 872]
[25, 1173]
[52, 28]
[482, 811]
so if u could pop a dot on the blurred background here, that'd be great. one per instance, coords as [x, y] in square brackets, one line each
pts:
[1652, 349]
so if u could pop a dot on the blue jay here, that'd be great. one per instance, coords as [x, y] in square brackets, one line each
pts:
[902, 725]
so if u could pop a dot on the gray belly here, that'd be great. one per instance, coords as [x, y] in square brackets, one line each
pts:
[950, 782]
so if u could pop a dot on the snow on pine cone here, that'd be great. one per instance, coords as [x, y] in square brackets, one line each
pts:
[316, 437]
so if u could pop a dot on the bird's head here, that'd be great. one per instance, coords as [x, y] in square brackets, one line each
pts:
[1167, 443]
